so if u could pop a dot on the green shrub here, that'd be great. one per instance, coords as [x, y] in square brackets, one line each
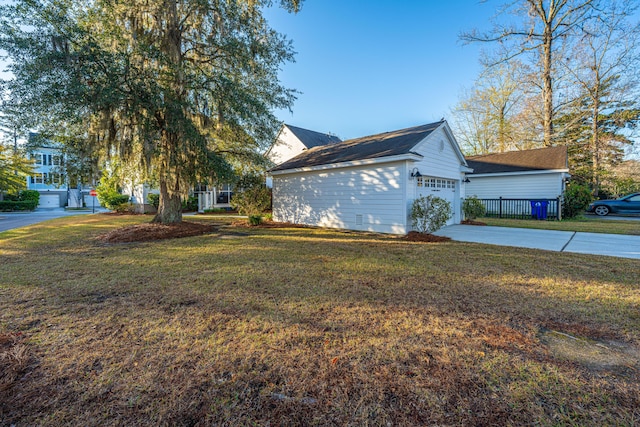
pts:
[429, 214]
[18, 205]
[154, 200]
[215, 210]
[32, 195]
[252, 201]
[576, 199]
[473, 208]
[190, 204]
[125, 207]
[255, 219]
[23, 196]
[112, 200]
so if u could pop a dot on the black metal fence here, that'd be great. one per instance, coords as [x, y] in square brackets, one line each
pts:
[542, 209]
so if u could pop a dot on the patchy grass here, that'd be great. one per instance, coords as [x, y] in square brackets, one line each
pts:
[582, 224]
[296, 326]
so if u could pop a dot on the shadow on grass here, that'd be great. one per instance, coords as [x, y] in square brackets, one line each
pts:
[313, 327]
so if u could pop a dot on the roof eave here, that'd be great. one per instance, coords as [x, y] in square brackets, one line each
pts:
[449, 132]
[342, 165]
[529, 172]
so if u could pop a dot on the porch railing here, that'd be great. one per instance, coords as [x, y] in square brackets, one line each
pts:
[542, 209]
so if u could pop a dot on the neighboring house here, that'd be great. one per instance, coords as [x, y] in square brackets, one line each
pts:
[139, 194]
[293, 140]
[213, 196]
[51, 180]
[47, 177]
[290, 141]
[528, 174]
[370, 183]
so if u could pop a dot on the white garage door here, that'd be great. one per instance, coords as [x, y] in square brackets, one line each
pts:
[49, 201]
[439, 187]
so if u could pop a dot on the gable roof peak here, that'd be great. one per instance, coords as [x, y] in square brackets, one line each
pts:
[311, 138]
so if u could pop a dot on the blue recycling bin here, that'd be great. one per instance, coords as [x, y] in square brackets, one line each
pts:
[539, 209]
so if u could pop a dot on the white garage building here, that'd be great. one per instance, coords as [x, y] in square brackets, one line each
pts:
[369, 183]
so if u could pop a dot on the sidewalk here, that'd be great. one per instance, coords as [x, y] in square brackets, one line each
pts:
[617, 245]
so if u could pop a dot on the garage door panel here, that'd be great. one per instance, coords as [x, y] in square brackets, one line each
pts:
[438, 187]
[49, 201]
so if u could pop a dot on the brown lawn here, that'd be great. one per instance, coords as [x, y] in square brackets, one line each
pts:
[280, 325]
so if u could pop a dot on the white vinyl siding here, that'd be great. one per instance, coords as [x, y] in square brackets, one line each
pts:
[286, 147]
[442, 164]
[440, 159]
[524, 186]
[355, 198]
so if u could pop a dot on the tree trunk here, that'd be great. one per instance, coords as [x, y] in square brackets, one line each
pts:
[595, 141]
[547, 89]
[502, 130]
[170, 207]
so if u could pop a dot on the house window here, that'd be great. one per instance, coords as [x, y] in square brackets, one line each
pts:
[435, 183]
[38, 159]
[56, 160]
[55, 178]
[223, 193]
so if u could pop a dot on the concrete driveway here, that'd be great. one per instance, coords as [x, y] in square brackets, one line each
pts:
[11, 220]
[551, 240]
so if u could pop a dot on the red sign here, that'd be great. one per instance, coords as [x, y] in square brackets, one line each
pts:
[93, 193]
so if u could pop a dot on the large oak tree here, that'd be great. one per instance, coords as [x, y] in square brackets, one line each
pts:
[179, 87]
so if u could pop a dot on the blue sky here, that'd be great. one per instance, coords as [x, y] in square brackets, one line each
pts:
[365, 67]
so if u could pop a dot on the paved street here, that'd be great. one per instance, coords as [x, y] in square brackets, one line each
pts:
[11, 220]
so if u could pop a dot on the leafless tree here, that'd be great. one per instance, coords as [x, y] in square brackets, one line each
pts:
[538, 30]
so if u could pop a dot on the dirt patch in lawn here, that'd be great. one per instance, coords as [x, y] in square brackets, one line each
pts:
[598, 355]
[14, 359]
[152, 231]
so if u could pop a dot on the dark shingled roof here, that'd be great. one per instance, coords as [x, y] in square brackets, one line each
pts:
[311, 138]
[369, 147]
[520, 161]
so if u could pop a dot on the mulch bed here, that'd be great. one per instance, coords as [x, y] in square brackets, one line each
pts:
[472, 222]
[152, 231]
[414, 236]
